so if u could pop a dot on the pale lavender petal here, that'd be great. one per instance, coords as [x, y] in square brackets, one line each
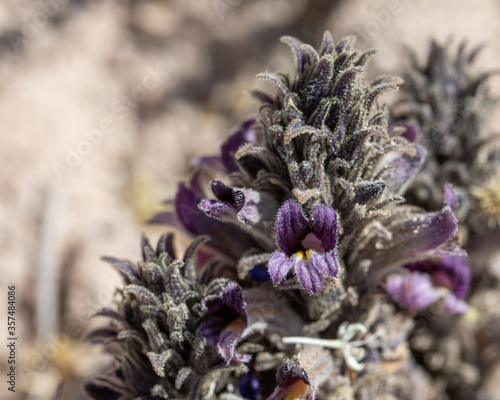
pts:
[414, 291]
[291, 227]
[454, 305]
[403, 168]
[450, 197]
[279, 265]
[249, 214]
[227, 194]
[450, 272]
[214, 208]
[325, 226]
[309, 277]
[327, 263]
[228, 340]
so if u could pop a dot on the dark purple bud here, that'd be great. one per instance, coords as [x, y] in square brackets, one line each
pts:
[238, 138]
[226, 194]
[225, 238]
[228, 320]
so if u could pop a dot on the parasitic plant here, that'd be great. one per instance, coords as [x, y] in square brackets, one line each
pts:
[316, 259]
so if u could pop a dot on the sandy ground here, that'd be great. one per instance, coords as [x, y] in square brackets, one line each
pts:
[103, 106]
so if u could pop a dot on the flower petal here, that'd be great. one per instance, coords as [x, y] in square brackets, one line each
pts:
[279, 265]
[325, 226]
[415, 238]
[227, 194]
[414, 291]
[450, 197]
[228, 340]
[233, 298]
[291, 227]
[212, 328]
[454, 305]
[411, 133]
[309, 277]
[327, 263]
[238, 138]
[214, 208]
[450, 272]
[401, 169]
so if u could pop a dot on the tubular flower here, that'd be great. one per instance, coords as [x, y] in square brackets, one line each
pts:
[293, 383]
[309, 246]
[430, 280]
[227, 323]
[244, 203]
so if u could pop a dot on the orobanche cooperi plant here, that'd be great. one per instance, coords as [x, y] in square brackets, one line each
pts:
[340, 248]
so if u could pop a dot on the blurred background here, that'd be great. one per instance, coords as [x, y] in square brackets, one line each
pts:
[104, 104]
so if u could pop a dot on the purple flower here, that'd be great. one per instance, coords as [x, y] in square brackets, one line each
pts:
[242, 202]
[244, 134]
[401, 168]
[411, 133]
[228, 320]
[293, 383]
[430, 280]
[226, 239]
[307, 245]
[226, 162]
[452, 273]
[450, 197]
[413, 291]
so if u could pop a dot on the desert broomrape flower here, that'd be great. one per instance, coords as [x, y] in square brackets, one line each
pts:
[309, 246]
[318, 185]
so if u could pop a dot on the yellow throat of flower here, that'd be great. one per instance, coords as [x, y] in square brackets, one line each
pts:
[297, 390]
[304, 254]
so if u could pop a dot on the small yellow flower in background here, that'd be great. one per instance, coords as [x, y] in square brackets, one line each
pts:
[488, 195]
